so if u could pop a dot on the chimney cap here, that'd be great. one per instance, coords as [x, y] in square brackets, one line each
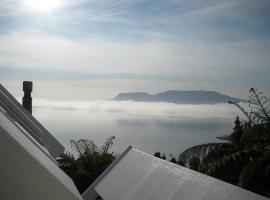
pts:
[27, 86]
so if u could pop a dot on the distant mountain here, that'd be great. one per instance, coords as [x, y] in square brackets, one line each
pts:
[179, 97]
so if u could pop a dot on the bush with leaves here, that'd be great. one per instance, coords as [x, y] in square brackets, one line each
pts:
[90, 163]
[246, 160]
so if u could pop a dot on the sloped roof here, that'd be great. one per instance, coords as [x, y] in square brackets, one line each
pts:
[136, 175]
[26, 121]
[28, 169]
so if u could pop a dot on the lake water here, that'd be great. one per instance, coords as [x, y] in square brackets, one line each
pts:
[150, 127]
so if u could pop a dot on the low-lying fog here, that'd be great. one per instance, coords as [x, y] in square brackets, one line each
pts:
[150, 127]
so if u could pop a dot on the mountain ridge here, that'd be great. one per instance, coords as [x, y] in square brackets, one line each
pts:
[178, 97]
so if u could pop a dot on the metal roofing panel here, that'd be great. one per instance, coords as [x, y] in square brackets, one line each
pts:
[137, 175]
[15, 110]
[26, 171]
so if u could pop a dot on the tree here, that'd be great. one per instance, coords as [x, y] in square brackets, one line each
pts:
[173, 160]
[194, 163]
[158, 155]
[67, 163]
[246, 160]
[237, 132]
[90, 163]
[259, 106]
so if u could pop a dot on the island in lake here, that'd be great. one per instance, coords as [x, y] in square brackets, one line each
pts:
[178, 97]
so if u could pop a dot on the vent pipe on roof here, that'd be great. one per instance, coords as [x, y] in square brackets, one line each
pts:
[27, 99]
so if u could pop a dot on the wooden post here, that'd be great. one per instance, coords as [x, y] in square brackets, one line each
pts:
[27, 99]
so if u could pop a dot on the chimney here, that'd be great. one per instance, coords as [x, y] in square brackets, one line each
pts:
[27, 99]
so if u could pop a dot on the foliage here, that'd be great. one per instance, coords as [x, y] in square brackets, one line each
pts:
[67, 162]
[90, 163]
[173, 160]
[246, 160]
[259, 107]
[163, 156]
[256, 174]
[93, 159]
[237, 131]
[158, 155]
[194, 163]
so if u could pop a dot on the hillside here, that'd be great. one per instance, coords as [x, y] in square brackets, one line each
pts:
[179, 97]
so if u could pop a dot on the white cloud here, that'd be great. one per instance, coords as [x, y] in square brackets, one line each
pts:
[21, 7]
[8, 7]
[186, 58]
[164, 47]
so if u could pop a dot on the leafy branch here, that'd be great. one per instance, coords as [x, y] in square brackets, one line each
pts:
[259, 106]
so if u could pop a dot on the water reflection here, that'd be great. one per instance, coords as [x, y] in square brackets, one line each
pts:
[173, 123]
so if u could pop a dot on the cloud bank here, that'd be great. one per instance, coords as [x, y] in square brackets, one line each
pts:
[143, 109]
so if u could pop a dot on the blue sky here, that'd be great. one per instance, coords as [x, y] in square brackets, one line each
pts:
[112, 46]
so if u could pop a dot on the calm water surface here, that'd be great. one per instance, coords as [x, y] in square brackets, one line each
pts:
[149, 127]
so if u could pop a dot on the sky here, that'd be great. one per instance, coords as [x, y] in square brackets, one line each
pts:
[94, 49]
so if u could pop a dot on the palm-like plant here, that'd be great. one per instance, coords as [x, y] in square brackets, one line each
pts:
[92, 158]
[91, 161]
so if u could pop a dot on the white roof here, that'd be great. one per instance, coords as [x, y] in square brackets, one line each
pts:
[26, 121]
[136, 175]
[27, 170]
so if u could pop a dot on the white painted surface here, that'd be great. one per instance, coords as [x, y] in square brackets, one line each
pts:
[27, 171]
[15, 110]
[139, 176]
